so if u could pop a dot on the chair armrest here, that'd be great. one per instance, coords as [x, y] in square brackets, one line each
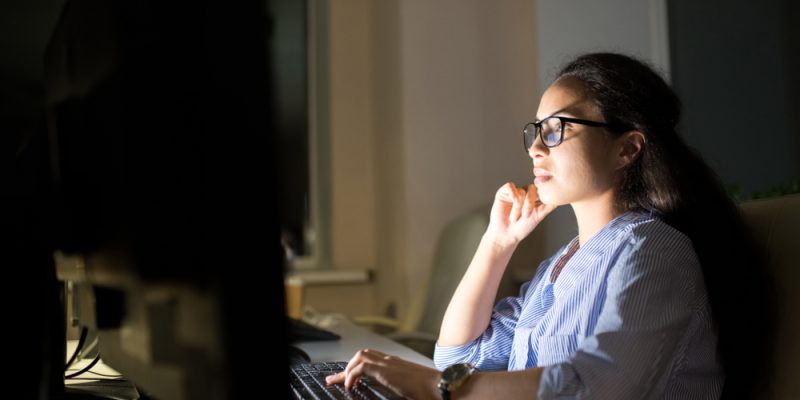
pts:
[421, 342]
[377, 321]
[418, 336]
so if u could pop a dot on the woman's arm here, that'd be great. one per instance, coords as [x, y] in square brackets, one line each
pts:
[470, 308]
[515, 213]
[419, 382]
[506, 385]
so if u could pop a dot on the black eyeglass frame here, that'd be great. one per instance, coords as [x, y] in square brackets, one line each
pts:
[538, 129]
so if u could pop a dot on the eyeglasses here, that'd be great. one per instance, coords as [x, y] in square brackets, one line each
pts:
[551, 129]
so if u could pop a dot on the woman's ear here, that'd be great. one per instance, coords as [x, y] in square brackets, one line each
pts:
[631, 145]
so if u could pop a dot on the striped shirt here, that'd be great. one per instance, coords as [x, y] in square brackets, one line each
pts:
[627, 318]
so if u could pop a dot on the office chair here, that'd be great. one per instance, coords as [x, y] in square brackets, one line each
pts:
[455, 247]
[776, 223]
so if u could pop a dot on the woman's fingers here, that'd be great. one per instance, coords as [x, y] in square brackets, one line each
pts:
[525, 200]
[360, 356]
[400, 376]
[530, 201]
[335, 378]
[517, 197]
[356, 367]
[516, 212]
[352, 378]
[506, 192]
[375, 353]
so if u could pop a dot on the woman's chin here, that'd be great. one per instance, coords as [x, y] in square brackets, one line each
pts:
[550, 198]
[547, 199]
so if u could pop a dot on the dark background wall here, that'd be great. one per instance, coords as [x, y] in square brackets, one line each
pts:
[32, 300]
[735, 65]
[25, 27]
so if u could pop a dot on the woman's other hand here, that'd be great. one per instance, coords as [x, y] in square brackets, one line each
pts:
[515, 213]
[407, 379]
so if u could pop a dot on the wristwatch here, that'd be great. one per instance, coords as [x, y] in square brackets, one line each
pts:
[453, 377]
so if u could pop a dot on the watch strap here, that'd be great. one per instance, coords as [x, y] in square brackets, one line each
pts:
[444, 390]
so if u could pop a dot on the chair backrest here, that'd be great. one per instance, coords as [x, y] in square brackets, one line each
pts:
[776, 223]
[454, 250]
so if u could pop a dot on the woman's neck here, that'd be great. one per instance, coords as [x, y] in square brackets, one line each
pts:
[594, 214]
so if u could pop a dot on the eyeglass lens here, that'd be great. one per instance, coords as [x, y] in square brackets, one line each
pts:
[550, 129]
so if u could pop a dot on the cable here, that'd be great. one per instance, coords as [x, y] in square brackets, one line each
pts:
[86, 368]
[106, 375]
[81, 341]
[87, 348]
[99, 374]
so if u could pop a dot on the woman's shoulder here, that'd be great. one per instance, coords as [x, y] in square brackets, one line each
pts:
[650, 224]
[649, 232]
[653, 250]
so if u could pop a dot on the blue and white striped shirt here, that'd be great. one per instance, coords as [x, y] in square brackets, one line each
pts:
[627, 318]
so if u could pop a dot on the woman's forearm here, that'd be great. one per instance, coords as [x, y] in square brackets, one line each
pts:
[470, 309]
[506, 385]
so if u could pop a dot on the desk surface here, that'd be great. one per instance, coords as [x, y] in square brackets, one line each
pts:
[355, 338]
[101, 380]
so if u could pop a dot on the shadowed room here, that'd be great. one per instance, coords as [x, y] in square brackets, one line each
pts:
[183, 172]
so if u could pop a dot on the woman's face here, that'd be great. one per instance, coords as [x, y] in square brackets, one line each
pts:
[582, 166]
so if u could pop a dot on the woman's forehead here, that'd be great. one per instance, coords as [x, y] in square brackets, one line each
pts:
[567, 96]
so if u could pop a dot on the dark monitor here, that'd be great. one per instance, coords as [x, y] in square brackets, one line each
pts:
[160, 134]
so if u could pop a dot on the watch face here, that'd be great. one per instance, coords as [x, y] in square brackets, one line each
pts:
[456, 372]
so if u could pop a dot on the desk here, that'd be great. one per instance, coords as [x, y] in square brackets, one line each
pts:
[355, 338]
[110, 384]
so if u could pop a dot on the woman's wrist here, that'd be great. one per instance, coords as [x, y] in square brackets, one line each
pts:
[435, 393]
[500, 244]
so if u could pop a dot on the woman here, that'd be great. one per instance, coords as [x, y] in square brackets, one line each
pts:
[647, 301]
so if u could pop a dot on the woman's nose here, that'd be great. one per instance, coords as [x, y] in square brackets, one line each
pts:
[538, 149]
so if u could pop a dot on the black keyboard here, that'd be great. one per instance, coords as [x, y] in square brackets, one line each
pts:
[308, 382]
[301, 331]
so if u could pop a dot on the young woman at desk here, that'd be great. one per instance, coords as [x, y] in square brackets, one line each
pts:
[643, 303]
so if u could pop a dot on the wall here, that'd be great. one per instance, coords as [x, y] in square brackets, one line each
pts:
[469, 86]
[427, 103]
[353, 222]
[735, 68]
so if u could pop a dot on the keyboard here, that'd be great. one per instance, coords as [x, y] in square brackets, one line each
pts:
[308, 382]
[301, 331]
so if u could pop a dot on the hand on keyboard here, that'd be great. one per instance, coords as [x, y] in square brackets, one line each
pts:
[308, 382]
[404, 377]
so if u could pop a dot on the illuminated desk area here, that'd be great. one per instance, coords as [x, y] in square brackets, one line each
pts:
[101, 380]
[355, 338]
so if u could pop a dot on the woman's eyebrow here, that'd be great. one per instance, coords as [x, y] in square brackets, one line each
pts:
[560, 111]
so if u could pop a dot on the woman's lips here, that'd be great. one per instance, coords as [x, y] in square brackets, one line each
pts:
[541, 175]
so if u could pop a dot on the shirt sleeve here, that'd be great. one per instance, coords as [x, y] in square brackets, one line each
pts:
[491, 350]
[649, 300]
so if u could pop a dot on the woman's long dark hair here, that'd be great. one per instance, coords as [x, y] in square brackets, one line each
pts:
[671, 179]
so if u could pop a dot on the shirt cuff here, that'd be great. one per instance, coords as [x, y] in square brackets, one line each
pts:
[444, 356]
